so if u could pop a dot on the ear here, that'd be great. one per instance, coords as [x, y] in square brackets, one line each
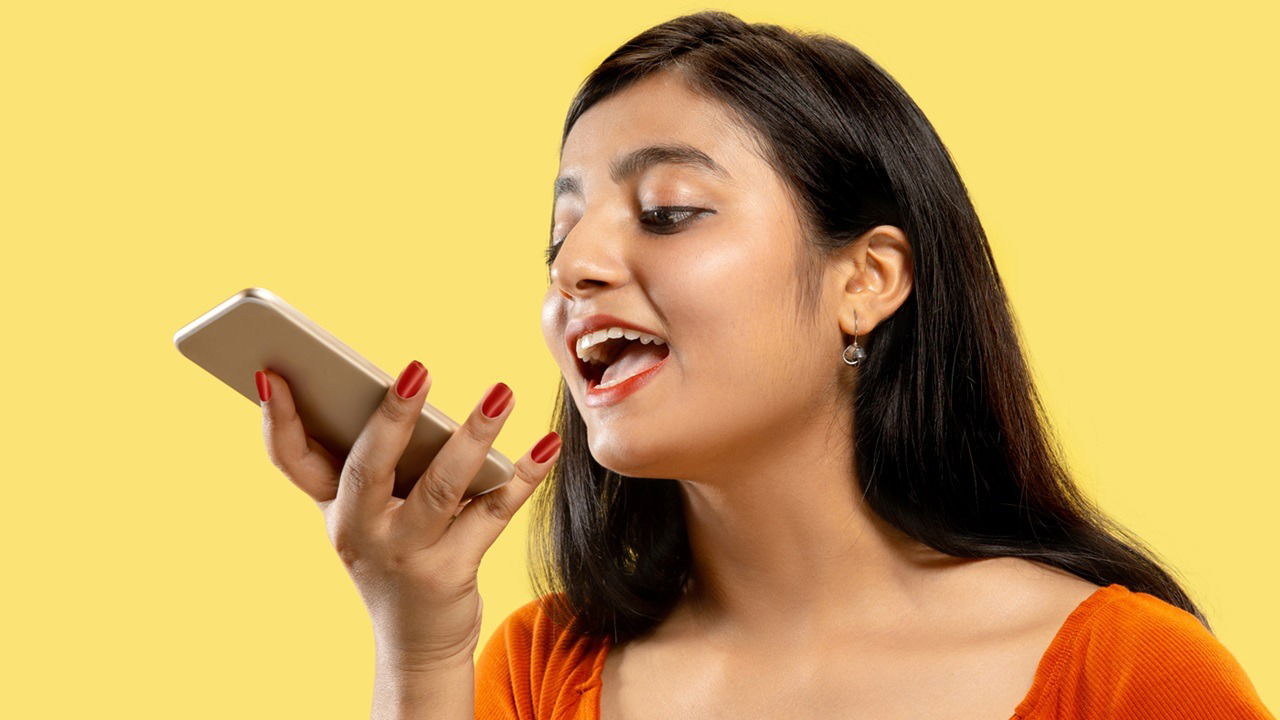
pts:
[878, 277]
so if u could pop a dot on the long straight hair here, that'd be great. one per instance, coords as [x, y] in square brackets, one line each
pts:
[951, 443]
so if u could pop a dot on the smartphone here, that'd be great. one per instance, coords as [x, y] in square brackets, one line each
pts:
[334, 388]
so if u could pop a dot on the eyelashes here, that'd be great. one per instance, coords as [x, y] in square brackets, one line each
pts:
[667, 211]
[655, 220]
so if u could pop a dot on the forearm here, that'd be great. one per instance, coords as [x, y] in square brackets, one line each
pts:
[439, 693]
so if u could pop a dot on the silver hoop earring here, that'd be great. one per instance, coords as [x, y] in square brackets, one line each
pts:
[858, 353]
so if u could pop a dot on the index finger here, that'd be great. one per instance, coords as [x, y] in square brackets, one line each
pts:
[481, 522]
[368, 475]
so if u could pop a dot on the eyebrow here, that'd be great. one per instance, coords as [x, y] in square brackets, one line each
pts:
[639, 160]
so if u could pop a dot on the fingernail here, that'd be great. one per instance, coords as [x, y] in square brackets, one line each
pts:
[411, 379]
[496, 401]
[546, 447]
[264, 386]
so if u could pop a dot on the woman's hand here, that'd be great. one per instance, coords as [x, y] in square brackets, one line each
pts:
[414, 560]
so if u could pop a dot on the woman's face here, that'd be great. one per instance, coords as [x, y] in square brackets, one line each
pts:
[718, 285]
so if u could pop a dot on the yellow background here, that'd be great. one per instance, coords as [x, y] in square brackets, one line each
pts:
[386, 168]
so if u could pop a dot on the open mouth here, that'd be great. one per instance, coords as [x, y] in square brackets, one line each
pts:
[617, 359]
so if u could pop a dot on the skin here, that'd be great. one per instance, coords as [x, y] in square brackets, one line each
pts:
[413, 560]
[803, 602]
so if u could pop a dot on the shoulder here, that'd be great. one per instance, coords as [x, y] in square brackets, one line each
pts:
[531, 665]
[532, 631]
[1136, 652]
[1152, 637]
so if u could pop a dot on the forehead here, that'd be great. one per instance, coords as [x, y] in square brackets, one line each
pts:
[658, 109]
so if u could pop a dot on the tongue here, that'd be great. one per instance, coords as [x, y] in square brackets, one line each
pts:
[635, 357]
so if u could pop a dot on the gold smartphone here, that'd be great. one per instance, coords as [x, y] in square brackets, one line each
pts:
[334, 388]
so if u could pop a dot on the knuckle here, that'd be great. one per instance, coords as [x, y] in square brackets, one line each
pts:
[495, 507]
[438, 493]
[390, 409]
[400, 562]
[478, 432]
[525, 474]
[357, 470]
[347, 547]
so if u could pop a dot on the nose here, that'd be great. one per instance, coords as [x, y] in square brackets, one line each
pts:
[591, 258]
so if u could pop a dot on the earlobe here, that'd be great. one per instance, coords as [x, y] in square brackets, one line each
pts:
[853, 352]
[855, 289]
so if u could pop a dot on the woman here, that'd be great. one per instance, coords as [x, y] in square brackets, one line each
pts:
[805, 475]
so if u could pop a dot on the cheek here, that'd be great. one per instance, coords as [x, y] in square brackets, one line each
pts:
[733, 310]
[553, 321]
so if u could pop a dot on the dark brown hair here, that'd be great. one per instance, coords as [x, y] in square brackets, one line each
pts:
[952, 443]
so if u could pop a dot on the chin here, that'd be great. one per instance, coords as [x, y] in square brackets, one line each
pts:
[622, 454]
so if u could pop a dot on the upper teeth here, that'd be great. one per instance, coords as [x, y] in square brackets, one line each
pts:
[589, 340]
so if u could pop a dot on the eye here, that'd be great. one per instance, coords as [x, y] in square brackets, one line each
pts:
[657, 220]
[663, 216]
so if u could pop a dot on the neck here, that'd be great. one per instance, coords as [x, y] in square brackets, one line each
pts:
[784, 545]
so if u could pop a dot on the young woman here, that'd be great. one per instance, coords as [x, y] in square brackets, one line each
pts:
[805, 472]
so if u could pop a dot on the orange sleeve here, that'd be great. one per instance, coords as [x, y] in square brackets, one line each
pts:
[1145, 658]
[502, 675]
[533, 669]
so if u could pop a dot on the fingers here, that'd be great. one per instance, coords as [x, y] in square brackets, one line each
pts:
[306, 464]
[368, 474]
[485, 517]
[434, 500]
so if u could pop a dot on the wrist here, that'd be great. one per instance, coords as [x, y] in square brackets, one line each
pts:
[416, 662]
[405, 688]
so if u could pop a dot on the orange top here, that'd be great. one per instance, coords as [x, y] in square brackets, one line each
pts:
[1119, 654]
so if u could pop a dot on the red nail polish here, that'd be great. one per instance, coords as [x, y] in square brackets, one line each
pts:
[264, 386]
[546, 447]
[411, 380]
[496, 401]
